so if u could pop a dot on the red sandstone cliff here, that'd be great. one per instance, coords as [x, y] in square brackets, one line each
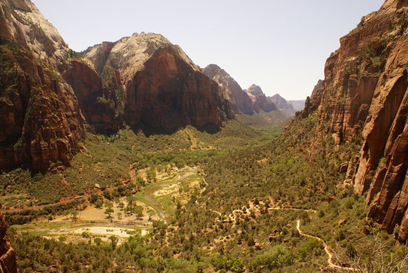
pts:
[364, 93]
[41, 121]
[98, 103]
[48, 93]
[162, 87]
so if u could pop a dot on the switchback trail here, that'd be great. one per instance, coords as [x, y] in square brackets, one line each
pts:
[326, 248]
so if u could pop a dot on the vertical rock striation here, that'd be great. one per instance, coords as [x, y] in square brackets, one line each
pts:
[364, 93]
[41, 119]
[162, 87]
[99, 104]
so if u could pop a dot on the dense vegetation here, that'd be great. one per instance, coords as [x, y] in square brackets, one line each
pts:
[244, 218]
[106, 160]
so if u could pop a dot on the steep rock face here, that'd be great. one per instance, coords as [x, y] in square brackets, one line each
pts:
[169, 94]
[8, 262]
[41, 118]
[41, 121]
[260, 102]
[239, 100]
[162, 87]
[98, 104]
[364, 93]
[280, 102]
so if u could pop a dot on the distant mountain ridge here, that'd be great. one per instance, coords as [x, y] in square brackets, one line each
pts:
[259, 100]
[242, 101]
[280, 102]
[283, 104]
[297, 105]
[239, 100]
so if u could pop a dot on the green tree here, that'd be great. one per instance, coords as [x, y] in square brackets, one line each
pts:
[140, 181]
[109, 205]
[74, 214]
[98, 241]
[131, 202]
[151, 175]
[108, 212]
[138, 210]
[98, 204]
[114, 241]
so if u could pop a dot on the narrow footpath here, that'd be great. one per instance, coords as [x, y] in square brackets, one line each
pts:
[327, 249]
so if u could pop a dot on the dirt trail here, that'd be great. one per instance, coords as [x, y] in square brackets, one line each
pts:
[326, 248]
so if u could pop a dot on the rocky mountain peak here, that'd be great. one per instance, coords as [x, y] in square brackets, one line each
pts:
[129, 54]
[394, 4]
[213, 71]
[41, 121]
[280, 102]
[33, 30]
[232, 91]
[162, 86]
[254, 90]
[259, 99]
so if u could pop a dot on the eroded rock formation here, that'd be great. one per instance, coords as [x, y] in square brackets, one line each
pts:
[163, 88]
[98, 103]
[259, 100]
[364, 93]
[41, 121]
[239, 100]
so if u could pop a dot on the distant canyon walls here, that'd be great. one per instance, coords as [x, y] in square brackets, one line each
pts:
[50, 95]
[241, 101]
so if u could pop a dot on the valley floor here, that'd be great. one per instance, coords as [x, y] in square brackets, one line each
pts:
[157, 201]
[236, 201]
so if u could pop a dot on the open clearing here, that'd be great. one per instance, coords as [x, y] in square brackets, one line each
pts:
[158, 200]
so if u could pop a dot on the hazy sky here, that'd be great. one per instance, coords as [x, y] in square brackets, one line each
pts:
[279, 45]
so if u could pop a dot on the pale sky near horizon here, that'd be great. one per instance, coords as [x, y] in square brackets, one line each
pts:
[280, 45]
